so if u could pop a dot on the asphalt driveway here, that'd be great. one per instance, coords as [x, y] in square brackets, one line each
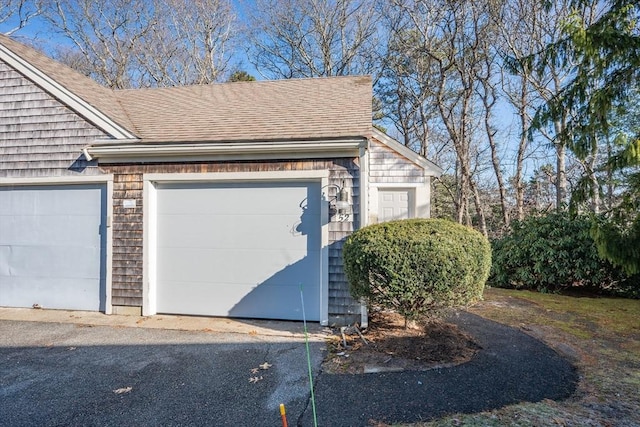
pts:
[54, 374]
[72, 375]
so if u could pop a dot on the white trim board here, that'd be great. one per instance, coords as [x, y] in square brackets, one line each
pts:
[236, 176]
[56, 180]
[397, 185]
[220, 151]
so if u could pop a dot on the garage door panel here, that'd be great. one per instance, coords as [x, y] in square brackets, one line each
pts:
[238, 249]
[49, 292]
[232, 199]
[230, 299]
[218, 265]
[53, 246]
[56, 229]
[51, 200]
[52, 261]
[234, 231]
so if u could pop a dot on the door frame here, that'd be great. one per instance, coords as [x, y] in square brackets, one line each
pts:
[150, 238]
[107, 181]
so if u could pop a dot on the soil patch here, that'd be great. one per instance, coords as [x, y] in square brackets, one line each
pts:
[386, 345]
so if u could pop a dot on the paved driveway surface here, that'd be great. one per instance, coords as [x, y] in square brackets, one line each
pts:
[55, 374]
[512, 367]
[65, 375]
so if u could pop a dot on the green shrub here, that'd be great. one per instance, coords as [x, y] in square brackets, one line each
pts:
[417, 266]
[552, 253]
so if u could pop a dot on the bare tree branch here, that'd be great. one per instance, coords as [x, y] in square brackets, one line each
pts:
[312, 38]
[18, 13]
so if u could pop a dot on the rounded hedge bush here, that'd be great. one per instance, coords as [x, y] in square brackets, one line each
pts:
[417, 266]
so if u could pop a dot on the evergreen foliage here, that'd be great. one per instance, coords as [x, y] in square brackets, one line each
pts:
[552, 253]
[241, 76]
[604, 56]
[417, 266]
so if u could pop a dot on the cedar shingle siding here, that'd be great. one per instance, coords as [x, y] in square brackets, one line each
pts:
[127, 224]
[38, 135]
[388, 167]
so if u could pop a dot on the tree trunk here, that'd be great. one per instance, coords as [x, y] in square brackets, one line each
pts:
[561, 171]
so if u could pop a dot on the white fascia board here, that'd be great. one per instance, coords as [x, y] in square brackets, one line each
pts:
[421, 161]
[124, 153]
[65, 96]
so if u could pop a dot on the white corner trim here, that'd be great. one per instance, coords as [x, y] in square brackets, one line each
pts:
[64, 95]
[324, 254]
[109, 248]
[421, 161]
[149, 248]
[364, 187]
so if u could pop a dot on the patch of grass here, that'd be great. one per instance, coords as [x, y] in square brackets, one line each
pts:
[604, 337]
[582, 317]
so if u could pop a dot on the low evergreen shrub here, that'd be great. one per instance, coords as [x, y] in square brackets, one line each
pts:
[552, 253]
[417, 266]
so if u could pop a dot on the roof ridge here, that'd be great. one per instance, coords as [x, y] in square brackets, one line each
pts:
[366, 78]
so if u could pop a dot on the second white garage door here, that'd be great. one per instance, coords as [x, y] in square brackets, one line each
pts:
[239, 249]
[53, 246]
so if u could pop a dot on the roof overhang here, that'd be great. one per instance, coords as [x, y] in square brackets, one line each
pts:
[86, 110]
[134, 152]
[431, 168]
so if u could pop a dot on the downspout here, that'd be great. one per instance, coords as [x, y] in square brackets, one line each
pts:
[364, 212]
[86, 154]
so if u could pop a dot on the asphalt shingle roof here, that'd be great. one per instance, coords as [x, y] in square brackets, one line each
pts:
[320, 108]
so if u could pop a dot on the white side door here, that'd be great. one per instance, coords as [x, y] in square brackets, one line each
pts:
[395, 204]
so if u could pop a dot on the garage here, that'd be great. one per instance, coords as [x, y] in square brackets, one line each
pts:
[239, 249]
[53, 246]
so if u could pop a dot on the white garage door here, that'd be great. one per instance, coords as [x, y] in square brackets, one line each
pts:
[394, 204]
[52, 246]
[239, 249]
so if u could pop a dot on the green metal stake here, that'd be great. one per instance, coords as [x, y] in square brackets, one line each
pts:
[306, 340]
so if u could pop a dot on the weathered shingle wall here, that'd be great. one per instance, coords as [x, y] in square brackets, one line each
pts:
[128, 224]
[388, 167]
[38, 135]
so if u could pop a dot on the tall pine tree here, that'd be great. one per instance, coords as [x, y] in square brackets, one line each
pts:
[604, 58]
